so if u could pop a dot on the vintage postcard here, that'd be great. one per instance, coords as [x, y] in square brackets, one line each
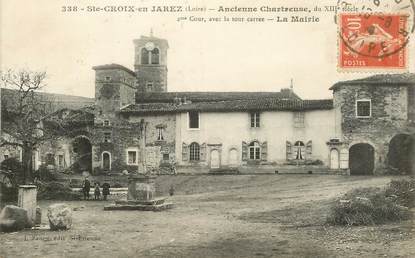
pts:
[173, 128]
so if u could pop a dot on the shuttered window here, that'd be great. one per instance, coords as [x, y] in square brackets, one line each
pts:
[194, 152]
[254, 151]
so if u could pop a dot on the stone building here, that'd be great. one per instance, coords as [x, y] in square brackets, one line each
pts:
[376, 122]
[135, 124]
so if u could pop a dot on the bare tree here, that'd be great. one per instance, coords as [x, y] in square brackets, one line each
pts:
[23, 116]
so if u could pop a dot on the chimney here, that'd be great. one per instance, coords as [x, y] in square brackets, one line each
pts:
[287, 92]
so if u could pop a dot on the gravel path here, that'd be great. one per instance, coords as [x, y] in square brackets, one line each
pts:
[222, 216]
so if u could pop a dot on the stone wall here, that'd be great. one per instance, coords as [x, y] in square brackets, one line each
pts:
[157, 75]
[122, 138]
[158, 152]
[114, 88]
[153, 73]
[389, 117]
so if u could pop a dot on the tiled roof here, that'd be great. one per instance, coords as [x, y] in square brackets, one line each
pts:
[113, 66]
[265, 104]
[381, 79]
[153, 97]
[150, 108]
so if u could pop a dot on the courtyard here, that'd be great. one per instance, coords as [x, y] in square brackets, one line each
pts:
[222, 216]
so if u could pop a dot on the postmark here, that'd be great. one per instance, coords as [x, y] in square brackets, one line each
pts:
[373, 41]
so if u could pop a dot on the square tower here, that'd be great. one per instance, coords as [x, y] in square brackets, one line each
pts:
[114, 89]
[151, 63]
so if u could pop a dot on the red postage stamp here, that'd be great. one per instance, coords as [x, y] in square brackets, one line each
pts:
[372, 41]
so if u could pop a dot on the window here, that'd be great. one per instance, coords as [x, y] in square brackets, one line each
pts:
[193, 120]
[132, 157]
[363, 108]
[194, 152]
[155, 56]
[166, 157]
[60, 160]
[299, 119]
[254, 151]
[106, 122]
[144, 56]
[50, 159]
[107, 78]
[255, 119]
[6, 156]
[107, 137]
[150, 57]
[106, 161]
[149, 86]
[160, 132]
[299, 150]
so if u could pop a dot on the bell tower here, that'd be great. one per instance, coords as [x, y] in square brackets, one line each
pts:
[151, 63]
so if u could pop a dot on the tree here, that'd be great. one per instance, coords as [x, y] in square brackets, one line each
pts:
[23, 115]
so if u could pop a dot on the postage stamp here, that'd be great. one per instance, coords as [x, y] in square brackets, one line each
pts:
[373, 41]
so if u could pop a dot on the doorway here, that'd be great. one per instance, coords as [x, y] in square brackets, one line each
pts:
[82, 150]
[214, 159]
[361, 159]
[334, 159]
[401, 153]
[106, 161]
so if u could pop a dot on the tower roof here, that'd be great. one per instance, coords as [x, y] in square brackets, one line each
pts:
[142, 38]
[380, 79]
[112, 67]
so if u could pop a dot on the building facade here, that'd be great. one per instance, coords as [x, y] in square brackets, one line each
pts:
[135, 124]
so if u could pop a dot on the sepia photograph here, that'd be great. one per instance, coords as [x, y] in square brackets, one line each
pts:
[243, 128]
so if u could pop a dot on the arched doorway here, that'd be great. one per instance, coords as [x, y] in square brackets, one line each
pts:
[214, 159]
[106, 161]
[233, 158]
[82, 150]
[334, 159]
[361, 159]
[401, 153]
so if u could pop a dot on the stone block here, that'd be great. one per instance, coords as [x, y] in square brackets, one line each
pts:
[27, 200]
[60, 217]
[13, 218]
[141, 187]
[38, 219]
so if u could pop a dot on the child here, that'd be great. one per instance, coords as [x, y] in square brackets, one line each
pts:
[97, 191]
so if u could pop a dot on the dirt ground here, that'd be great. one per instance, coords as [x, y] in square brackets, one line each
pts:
[222, 216]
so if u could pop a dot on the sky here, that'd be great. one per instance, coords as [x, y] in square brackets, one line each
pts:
[211, 56]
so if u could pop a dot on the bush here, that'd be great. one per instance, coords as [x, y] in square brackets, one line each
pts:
[118, 166]
[403, 191]
[367, 206]
[15, 166]
[45, 174]
[9, 194]
[57, 191]
[76, 168]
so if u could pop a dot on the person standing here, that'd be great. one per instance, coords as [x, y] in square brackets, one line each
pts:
[97, 191]
[105, 190]
[86, 187]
